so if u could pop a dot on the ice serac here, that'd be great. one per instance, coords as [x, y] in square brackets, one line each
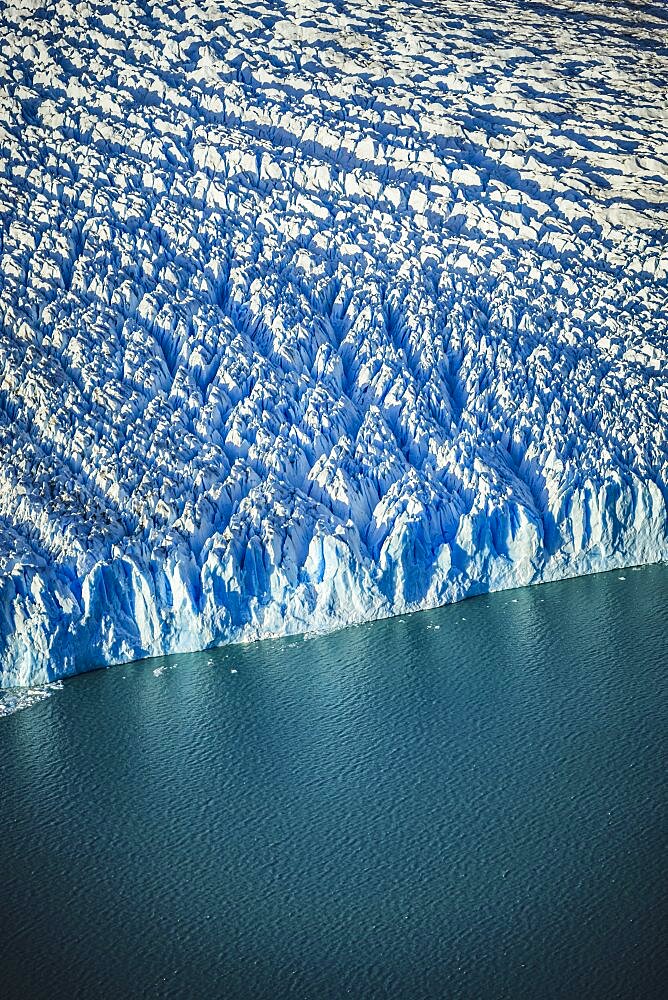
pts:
[312, 313]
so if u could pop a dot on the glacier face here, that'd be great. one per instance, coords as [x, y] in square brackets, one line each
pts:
[315, 313]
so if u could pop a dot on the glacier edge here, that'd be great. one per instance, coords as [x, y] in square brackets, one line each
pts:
[120, 617]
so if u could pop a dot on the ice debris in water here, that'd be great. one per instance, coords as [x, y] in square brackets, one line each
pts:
[313, 314]
[14, 699]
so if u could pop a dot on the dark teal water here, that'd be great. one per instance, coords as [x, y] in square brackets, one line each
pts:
[464, 803]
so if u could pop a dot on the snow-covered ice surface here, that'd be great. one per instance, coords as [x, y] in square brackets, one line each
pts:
[314, 312]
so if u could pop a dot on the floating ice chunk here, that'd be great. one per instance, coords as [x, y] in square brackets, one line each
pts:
[17, 699]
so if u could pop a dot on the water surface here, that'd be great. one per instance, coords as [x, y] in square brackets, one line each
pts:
[469, 802]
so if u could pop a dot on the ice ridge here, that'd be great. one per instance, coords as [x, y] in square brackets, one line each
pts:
[312, 313]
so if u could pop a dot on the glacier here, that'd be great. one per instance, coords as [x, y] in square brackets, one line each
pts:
[315, 312]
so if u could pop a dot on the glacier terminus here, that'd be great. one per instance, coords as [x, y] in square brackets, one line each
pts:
[313, 313]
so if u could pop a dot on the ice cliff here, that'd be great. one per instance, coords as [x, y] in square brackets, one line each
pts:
[314, 312]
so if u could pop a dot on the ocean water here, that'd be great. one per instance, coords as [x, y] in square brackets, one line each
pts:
[469, 802]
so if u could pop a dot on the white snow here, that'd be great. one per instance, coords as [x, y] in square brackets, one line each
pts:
[312, 313]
